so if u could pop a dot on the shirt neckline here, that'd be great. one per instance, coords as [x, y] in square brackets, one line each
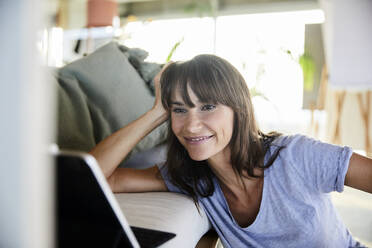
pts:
[226, 205]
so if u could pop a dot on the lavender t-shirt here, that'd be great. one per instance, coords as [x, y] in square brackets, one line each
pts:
[296, 209]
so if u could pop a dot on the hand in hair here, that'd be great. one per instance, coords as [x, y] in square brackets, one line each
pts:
[157, 103]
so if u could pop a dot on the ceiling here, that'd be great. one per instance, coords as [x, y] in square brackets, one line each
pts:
[72, 13]
[156, 9]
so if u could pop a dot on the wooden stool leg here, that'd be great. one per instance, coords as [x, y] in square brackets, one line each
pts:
[340, 97]
[312, 121]
[368, 143]
[364, 110]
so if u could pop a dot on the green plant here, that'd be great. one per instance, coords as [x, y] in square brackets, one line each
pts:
[200, 8]
[254, 91]
[261, 71]
[174, 48]
[308, 69]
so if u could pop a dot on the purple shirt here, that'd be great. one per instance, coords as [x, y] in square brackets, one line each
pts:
[296, 209]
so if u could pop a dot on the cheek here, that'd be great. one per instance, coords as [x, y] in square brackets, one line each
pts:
[227, 129]
[176, 125]
[224, 122]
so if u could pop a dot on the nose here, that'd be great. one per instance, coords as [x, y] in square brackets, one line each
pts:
[193, 124]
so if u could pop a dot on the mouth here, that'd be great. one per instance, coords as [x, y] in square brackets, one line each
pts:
[197, 140]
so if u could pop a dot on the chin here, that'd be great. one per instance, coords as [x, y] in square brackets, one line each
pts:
[198, 157]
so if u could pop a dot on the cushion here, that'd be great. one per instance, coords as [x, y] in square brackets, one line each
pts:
[166, 211]
[148, 158]
[98, 95]
[75, 126]
[147, 71]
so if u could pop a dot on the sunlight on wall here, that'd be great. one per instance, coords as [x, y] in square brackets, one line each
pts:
[259, 50]
[158, 37]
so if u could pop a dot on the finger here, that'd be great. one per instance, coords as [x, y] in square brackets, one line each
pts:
[166, 65]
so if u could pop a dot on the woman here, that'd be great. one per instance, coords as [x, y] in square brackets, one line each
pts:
[258, 190]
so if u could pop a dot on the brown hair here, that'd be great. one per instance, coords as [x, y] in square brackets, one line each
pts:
[213, 80]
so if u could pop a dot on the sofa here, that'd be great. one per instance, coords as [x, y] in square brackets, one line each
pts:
[97, 95]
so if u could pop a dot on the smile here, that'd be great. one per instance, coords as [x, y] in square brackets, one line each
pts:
[197, 140]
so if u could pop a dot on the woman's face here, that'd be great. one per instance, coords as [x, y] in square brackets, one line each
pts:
[204, 130]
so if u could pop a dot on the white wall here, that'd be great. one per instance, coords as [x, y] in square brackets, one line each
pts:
[25, 124]
[348, 43]
[351, 44]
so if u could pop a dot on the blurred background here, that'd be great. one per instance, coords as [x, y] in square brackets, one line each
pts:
[306, 62]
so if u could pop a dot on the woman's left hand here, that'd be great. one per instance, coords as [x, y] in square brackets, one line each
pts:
[157, 104]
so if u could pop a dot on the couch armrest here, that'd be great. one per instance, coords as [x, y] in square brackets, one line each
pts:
[166, 211]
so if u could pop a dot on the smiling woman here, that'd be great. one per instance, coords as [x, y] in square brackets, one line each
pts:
[212, 118]
[257, 189]
[204, 130]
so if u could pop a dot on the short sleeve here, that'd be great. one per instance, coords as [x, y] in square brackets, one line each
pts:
[323, 166]
[165, 175]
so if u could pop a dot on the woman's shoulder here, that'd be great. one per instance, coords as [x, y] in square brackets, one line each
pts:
[294, 145]
[298, 148]
[290, 140]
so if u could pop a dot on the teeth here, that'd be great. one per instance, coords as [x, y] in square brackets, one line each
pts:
[198, 139]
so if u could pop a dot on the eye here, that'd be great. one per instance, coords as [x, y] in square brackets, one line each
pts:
[208, 107]
[179, 110]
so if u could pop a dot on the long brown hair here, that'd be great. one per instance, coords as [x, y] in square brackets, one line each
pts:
[213, 80]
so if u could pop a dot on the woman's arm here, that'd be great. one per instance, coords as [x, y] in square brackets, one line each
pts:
[359, 173]
[134, 180]
[113, 149]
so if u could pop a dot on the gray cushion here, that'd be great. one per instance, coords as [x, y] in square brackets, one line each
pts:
[75, 128]
[99, 94]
